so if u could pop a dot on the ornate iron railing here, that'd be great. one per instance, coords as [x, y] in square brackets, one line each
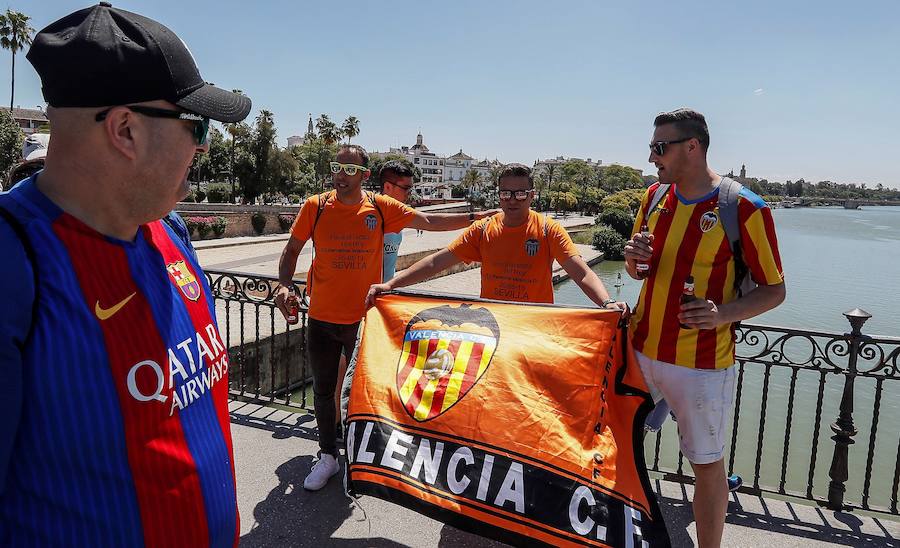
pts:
[792, 386]
[267, 355]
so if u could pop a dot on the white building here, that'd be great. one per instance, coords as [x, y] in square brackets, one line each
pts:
[430, 164]
[485, 167]
[540, 166]
[456, 166]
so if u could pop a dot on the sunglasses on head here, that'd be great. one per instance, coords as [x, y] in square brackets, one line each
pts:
[659, 147]
[349, 169]
[507, 194]
[201, 123]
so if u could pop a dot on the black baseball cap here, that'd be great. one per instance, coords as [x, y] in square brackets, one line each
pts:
[103, 56]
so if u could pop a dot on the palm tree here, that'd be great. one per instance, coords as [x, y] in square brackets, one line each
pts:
[550, 169]
[234, 130]
[350, 127]
[471, 181]
[15, 34]
[327, 129]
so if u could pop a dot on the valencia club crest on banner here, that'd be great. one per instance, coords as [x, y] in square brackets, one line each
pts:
[446, 350]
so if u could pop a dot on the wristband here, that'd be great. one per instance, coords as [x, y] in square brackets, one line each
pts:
[607, 302]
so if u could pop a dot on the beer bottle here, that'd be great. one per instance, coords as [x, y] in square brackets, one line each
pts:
[687, 295]
[643, 268]
[293, 305]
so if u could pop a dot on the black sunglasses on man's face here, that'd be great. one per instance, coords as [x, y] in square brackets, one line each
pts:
[201, 123]
[659, 147]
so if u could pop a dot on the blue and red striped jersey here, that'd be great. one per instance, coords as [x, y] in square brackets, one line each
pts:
[123, 436]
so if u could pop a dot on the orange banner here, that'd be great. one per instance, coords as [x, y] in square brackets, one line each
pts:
[518, 422]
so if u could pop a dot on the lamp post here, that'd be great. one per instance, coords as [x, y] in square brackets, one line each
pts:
[843, 427]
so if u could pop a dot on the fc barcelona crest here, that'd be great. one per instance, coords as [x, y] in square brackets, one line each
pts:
[185, 281]
[446, 351]
[531, 247]
[708, 221]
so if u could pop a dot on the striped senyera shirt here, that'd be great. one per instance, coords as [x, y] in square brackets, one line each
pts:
[690, 240]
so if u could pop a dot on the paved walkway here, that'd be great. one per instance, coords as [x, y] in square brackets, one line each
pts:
[275, 449]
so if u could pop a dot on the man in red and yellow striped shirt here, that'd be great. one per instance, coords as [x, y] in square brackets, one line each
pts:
[686, 350]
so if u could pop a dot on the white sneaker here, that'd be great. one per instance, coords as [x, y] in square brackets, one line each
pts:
[321, 472]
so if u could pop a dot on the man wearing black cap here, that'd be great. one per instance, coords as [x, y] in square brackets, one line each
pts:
[115, 425]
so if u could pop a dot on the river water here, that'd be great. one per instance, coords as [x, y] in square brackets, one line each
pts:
[834, 260]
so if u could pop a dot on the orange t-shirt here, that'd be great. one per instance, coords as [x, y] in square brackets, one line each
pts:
[349, 242]
[516, 263]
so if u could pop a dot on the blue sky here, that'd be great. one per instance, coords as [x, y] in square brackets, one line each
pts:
[791, 88]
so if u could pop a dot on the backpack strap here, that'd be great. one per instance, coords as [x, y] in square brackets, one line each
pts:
[322, 202]
[19, 230]
[657, 197]
[729, 192]
[729, 189]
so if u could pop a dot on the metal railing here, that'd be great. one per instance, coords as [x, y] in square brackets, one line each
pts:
[792, 386]
[267, 356]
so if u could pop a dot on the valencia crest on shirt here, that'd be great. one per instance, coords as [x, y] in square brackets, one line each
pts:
[708, 221]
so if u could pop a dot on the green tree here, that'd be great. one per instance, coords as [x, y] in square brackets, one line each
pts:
[350, 127]
[629, 200]
[215, 163]
[615, 178]
[260, 150]
[610, 242]
[621, 220]
[579, 174]
[590, 200]
[284, 170]
[317, 155]
[540, 187]
[550, 171]
[327, 129]
[240, 135]
[753, 185]
[11, 138]
[563, 201]
[15, 34]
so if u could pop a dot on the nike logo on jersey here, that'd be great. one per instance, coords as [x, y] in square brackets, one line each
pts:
[107, 313]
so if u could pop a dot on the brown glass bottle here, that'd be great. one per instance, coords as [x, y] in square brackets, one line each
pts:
[642, 269]
[687, 295]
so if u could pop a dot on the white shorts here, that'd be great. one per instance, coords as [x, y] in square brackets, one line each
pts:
[701, 400]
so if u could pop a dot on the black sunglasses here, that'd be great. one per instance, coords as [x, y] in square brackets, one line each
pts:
[201, 123]
[659, 147]
[401, 187]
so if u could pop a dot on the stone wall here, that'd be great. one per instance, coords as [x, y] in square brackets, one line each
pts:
[254, 364]
[237, 218]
